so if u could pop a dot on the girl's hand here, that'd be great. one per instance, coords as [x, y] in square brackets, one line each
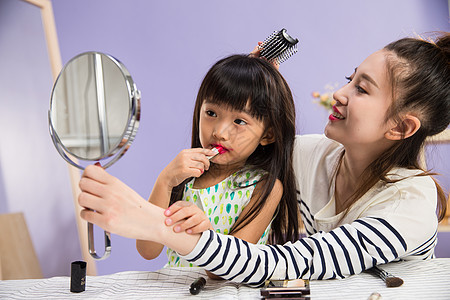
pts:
[190, 218]
[188, 163]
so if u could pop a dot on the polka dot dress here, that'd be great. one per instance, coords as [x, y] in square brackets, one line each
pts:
[222, 204]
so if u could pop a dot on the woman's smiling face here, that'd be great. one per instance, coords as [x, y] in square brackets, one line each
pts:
[359, 116]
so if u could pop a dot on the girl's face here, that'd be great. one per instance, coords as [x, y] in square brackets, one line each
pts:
[359, 114]
[236, 131]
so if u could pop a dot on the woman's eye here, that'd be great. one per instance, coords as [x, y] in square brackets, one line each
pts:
[360, 89]
[240, 122]
[211, 113]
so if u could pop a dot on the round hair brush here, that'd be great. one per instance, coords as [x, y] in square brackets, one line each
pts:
[278, 47]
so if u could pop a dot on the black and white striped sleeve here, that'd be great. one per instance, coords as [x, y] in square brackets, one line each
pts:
[346, 250]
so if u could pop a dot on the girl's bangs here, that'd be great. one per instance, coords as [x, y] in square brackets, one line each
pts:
[241, 93]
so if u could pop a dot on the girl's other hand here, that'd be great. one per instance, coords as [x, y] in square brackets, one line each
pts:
[190, 218]
[188, 163]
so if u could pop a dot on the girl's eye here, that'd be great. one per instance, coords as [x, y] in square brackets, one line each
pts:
[240, 122]
[211, 113]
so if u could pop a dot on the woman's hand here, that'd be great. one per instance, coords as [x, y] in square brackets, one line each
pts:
[257, 53]
[188, 163]
[112, 205]
[187, 217]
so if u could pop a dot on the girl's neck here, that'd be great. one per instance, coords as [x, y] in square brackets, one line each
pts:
[215, 174]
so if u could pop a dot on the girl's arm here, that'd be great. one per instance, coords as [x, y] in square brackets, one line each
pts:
[253, 231]
[188, 163]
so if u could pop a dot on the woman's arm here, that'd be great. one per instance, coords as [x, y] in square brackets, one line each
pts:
[253, 231]
[115, 207]
[401, 224]
[346, 250]
[160, 196]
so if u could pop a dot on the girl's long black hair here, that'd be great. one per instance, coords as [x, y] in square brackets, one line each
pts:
[241, 82]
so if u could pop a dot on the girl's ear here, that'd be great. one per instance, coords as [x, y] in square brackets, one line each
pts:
[267, 138]
[406, 128]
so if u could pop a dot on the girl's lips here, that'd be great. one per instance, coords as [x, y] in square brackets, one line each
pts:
[220, 148]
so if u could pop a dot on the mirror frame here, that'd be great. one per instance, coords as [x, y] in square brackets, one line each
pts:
[130, 130]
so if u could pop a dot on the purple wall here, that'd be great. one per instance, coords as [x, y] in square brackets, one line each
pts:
[169, 45]
[33, 178]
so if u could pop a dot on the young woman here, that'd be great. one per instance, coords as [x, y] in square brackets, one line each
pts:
[245, 108]
[363, 196]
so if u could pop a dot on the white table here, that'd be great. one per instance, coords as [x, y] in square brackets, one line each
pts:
[422, 280]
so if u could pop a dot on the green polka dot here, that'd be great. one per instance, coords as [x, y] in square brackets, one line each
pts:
[225, 231]
[213, 198]
[240, 194]
[236, 207]
[216, 220]
[228, 208]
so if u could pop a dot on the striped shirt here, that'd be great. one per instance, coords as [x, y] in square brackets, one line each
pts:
[395, 221]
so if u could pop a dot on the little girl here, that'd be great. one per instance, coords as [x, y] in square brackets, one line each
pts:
[245, 109]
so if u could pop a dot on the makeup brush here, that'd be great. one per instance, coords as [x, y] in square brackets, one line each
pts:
[389, 279]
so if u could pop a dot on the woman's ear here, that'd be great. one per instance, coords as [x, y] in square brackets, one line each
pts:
[406, 128]
[267, 138]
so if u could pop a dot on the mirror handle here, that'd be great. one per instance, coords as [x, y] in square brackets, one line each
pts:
[91, 243]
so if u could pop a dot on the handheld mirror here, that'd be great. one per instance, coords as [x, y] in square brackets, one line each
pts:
[94, 115]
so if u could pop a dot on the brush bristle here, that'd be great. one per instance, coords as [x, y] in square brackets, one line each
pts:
[394, 282]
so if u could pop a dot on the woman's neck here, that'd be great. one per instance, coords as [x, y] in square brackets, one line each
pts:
[350, 171]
